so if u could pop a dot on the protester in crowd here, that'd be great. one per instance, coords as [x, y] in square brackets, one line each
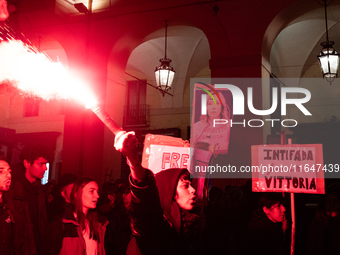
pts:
[162, 222]
[108, 197]
[61, 196]
[27, 200]
[124, 193]
[80, 230]
[112, 206]
[265, 231]
[324, 233]
[6, 217]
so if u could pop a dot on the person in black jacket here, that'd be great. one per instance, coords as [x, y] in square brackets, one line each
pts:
[265, 232]
[161, 218]
[27, 200]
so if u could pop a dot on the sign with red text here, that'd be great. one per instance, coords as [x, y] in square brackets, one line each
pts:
[296, 168]
[165, 157]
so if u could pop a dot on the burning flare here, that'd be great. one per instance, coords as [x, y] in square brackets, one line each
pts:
[33, 73]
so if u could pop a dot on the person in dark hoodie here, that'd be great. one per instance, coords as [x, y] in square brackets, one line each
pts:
[161, 218]
[27, 200]
[265, 232]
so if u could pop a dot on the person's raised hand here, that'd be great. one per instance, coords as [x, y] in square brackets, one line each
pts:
[125, 142]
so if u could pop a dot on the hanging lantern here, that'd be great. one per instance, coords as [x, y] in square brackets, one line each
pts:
[329, 61]
[328, 57]
[164, 73]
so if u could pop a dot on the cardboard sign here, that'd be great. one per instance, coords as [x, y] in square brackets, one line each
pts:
[163, 152]
[165, 157]
[296, 168]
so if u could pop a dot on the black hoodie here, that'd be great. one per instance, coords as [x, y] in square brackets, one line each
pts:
[166, 182]
[156, 217]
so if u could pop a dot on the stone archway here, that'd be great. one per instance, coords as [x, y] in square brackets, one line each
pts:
[188, 48]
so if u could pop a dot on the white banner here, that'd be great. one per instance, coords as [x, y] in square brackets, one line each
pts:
[296, 168]
[165, 157]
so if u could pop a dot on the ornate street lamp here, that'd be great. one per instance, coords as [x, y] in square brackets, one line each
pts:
[328, 57]
[164, 73]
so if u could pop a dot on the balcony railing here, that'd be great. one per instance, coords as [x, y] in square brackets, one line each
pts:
[136, 115]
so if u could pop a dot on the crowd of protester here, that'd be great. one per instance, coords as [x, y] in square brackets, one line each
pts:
[153, 214]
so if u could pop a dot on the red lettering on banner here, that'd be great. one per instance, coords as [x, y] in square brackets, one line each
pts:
[174, 158]
[291, 182]
[165, 159]
[184, 160]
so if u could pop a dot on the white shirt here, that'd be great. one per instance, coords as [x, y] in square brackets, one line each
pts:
[91, 245]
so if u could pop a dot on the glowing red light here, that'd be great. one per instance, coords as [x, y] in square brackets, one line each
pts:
[34, 73]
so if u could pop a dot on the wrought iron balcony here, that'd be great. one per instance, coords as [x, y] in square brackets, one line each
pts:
[136, 115]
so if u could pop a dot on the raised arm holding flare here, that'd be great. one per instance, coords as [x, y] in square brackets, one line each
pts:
[162, 222]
